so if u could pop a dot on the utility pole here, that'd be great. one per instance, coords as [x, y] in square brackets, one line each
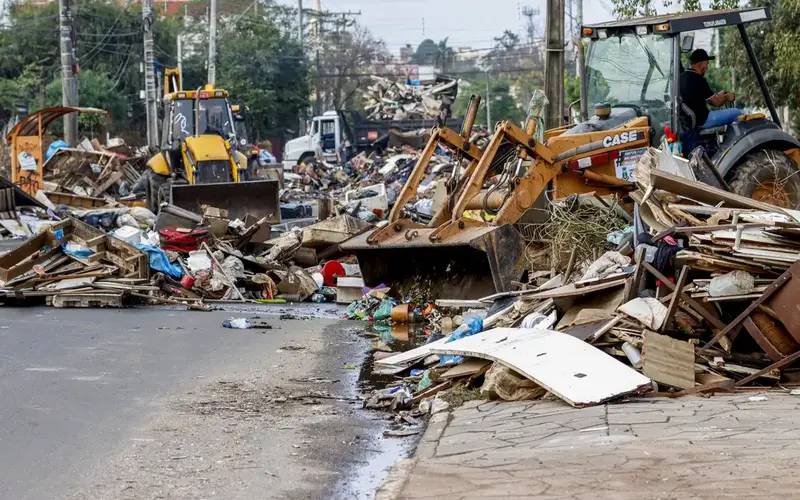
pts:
[300, 22]
[554, 64]
[488, 105]
[571, 19]
[149, 75]
[341, 20]
[180, 55]
[301, 122]
[318, 43]
[69, 82]
[212, 43]
[581, 64]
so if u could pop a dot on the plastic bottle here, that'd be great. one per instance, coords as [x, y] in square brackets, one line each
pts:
[633, 354]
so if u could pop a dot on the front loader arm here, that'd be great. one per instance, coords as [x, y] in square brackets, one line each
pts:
[525, 189]
[441, 136]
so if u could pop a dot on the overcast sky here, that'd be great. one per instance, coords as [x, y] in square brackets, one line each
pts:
[472, 23]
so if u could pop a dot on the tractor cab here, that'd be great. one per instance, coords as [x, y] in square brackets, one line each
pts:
[196, 112]
[633, 69]
[199, 127]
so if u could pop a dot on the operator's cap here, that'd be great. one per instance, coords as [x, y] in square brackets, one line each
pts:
[700, 55]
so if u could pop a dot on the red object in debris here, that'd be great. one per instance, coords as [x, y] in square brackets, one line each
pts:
[187, 281]
[671, 136]
[331, 270]
[182, 240]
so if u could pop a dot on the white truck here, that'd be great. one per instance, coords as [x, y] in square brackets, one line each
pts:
[337, 131]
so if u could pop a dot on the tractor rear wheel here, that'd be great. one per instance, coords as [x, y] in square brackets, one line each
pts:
[769, 176]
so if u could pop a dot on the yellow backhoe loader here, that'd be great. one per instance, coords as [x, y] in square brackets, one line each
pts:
[198, 163]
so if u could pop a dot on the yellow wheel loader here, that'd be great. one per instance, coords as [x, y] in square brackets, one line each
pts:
[472, 247]
[198, 163]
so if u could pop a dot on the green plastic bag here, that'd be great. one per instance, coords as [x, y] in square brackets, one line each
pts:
[384, 311]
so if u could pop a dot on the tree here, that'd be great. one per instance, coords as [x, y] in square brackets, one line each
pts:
[262, 66]
[625, 9]
[346, 57]
[97, 91]
[506, 52]
[445, 55]
[504, 104]
[258, 61]
[776, 44]
[426, 53]
[108, 44]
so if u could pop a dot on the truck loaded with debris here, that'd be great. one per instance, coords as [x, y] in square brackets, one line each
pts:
[393, 108]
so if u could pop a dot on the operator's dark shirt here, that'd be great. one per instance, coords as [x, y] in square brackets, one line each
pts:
[694, 92]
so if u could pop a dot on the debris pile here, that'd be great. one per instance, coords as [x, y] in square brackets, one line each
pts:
[697, 293]
[92, 170]
[72, 264]
[181, 257]
[389, 100]
[366, 186]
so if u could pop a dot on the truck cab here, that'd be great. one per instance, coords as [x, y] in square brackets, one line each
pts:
[323, 139]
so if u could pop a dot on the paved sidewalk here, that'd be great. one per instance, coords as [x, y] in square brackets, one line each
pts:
[691, 447]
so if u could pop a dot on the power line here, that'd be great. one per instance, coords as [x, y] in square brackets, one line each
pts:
[450, 73]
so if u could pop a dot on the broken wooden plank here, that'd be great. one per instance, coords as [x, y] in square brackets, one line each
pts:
[699, 191]
[774, 287]
[571, 290]
[460, 304]
[468, 368]
[573, 370]
[713, 320]
[667, 360]
[638, 275]
[676, 297]
[86, 300]
[774, 366]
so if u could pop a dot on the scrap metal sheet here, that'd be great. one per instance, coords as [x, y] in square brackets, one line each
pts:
[573, 370]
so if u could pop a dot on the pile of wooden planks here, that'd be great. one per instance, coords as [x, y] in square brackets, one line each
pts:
[94, 173]
[100, 273]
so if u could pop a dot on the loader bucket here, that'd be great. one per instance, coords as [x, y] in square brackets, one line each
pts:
[256, 198]
[479, 261]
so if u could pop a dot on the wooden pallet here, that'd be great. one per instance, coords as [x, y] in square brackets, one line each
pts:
[85, 300]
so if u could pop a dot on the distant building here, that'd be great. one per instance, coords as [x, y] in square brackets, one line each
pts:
[406, 53]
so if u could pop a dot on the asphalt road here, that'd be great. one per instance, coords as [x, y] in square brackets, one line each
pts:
[154, 403]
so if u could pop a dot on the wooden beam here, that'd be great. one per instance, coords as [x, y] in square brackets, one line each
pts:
[774, 287]
[676, 298]
[778, 364]
[638, 274]
[701, 310]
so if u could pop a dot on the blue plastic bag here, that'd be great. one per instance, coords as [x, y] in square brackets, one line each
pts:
[53, 147]
[470, 326]
[160, 262]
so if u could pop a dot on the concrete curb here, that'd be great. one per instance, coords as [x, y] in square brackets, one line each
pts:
[400, 472]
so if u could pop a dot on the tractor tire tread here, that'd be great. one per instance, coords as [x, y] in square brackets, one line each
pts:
[745, 177]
